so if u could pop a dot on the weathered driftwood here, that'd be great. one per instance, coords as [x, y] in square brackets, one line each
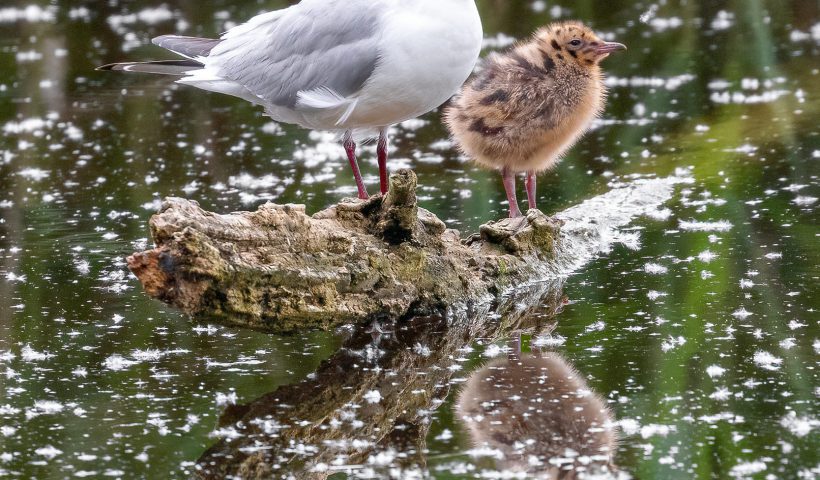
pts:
[278, 269]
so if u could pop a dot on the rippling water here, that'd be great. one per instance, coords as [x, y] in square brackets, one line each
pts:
[697, 326]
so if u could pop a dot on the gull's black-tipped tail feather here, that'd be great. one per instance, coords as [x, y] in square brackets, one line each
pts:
[189, 47]
[162, 67]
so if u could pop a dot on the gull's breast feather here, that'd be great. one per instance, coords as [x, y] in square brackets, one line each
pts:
[426, 55]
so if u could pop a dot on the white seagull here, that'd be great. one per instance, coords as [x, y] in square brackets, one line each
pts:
[339, 65]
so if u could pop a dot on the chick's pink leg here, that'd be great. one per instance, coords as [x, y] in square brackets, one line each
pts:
[350, 148]
[531, 183]
[509, 186]
[381, 152]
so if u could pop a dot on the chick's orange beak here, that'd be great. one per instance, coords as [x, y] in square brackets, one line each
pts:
[609, 47]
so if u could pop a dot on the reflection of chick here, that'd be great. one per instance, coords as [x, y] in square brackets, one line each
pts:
[541, 415]
[528, 106]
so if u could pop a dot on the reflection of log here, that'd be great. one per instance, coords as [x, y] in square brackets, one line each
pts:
[278, 269]
[373, 397]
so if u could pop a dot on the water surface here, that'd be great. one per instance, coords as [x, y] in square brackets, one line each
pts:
[698, 330]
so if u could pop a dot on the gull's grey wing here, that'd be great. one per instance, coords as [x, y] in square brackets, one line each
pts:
[316, 44]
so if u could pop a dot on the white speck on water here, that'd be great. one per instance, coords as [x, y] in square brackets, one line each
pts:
[655, 269]
[147, 355]
[383, 458]
[149, 16]
[649, 14]
[225, 399]
[48, 452]
[485, 452]
[746, 283]
[723, 20]
[706, 256]
[721, 394]
[672, 343]
[655, 430]
[8, 410]
[766, 360]
[740, 98]
[422, 350]
[117, 363]
[804, 201]
[79, 13]
[373, 396]
[44, 407]
[788, 343]
[654, 295]
[668, 83]
[493, 351]
[31, 14]
[746, 469]
[248, 181]
[152, 206]
[741, 313]
[795, 324]
[715, 371]
[698, 226]
[549, 341]
[445, 435]
[629, 426]
[799, 426]
[662, 24]
[34, 174]
[28, 354]
[13, 277]
[82, 266]
[746, 148]
[499, 41]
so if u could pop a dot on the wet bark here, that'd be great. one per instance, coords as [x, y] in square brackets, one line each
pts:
[279, 270]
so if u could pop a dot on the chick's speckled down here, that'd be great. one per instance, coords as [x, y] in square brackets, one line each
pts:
[525, 108]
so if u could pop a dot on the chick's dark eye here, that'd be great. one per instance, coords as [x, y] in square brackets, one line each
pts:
[575, 43]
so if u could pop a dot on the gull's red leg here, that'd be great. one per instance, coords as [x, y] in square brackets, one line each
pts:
[350, 148]
[531, 183]
[509, 186]
[381, 152]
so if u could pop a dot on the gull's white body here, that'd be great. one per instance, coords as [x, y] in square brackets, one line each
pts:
[412, 57]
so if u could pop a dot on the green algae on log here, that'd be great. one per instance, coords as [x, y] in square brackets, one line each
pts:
[280, 270]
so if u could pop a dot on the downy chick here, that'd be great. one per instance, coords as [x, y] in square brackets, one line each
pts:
[527, 107]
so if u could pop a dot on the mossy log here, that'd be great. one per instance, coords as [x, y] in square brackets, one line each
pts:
[278, 269]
